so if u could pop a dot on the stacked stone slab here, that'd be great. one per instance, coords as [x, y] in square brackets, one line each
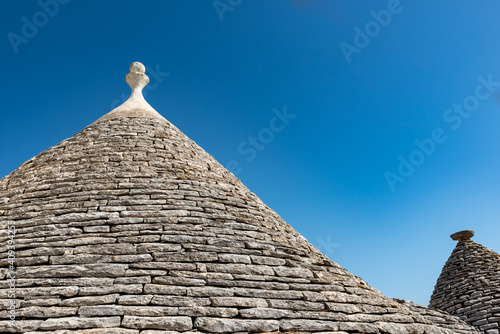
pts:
[130, 227]
[469, 285]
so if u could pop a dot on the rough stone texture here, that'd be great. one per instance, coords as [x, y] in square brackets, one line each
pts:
[462, 235]
[469, 286]
[130, 227]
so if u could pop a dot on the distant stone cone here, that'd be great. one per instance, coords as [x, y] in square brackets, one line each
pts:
[130, 227]
[469, 285]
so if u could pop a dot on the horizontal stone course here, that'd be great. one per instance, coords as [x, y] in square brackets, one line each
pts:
[80, 323]
[92, 300]
[86, 270]
[217, 325]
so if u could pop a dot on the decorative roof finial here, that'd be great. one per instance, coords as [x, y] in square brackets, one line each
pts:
[137, 79]
[136, 105]
[462, 235]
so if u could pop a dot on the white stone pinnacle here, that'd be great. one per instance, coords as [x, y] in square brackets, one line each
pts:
[137, 79]
[136, 105]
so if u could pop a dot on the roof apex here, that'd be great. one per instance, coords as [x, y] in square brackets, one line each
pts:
[462, 235]
[136, 105]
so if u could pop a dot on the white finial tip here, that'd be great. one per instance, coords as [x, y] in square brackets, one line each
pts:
[137, 67]
[137, 79]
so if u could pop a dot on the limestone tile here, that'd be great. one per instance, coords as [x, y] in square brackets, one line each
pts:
[164, 323]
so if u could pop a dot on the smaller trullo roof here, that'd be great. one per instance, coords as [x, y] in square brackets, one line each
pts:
[129, 227]
[469, 285]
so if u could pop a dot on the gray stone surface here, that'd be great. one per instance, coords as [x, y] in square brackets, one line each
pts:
[469, 284]
[166, 323]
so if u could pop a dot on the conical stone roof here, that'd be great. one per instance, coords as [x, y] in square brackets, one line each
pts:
[469, 285]
[130, 227]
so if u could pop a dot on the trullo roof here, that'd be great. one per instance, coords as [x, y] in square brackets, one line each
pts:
[469, 285]
[130, 227]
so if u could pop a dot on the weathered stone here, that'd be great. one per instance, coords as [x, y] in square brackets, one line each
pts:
[79, 259]
[134, 299]
[179, 281]
[88, 270]
[165, 265]
[298, 305]
[308, 325]
[234, 258]
[293, 272]
[185, 257]
[268, 261]
[145, 272]
[66, 291]
[27, 261]
[92, 331]
[93, 300]
[140, 239]
[120, 330]
[165, 323]
[115, 288]
[236, 268]
[158, 248]
[133, 280]
[164, 289]
[344, 308]
[38, 302]
[265, 313]
[111, 249]
[462, 235]
[180, 301]
[150, 311]
[47, 312]
[200, 273]
[79, 281]
[262, 293]
[90, 229]
[224, 312]
[79, 323]
[209, 292]
[357, 326]
[19, 326]
[100, 311]
[182, 238]
[221, 325]
[222, 242]
[238, 302]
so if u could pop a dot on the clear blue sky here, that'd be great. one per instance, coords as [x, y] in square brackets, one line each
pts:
[361, 92]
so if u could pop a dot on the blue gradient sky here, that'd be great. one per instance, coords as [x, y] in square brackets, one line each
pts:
[324, 171]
